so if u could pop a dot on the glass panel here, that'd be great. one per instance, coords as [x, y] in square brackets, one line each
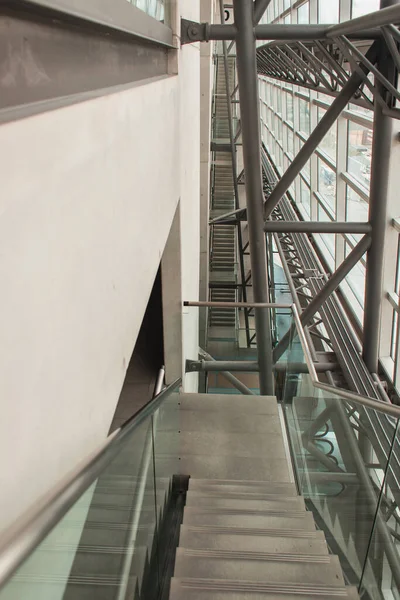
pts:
[108, 538]
[290, 146]
[342, 471]
[328, 144]
[303, 13]
[289, 107]
[381, 577]
[359, 153]
[304, 111]
[327, 238]
[356, 209]
[305, 196]
[328, 12]
[158, 9]
[327, 185]
[362, 7]
[356, 278]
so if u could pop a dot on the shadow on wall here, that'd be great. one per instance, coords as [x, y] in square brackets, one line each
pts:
[146, 360]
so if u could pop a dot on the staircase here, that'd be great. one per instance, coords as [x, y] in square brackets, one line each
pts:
[223, 240]
[246, 533]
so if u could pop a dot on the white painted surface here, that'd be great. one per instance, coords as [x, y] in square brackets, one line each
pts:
[189, 78]
[88, 196]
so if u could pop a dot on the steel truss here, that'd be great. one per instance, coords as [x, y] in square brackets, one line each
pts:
[327, 65]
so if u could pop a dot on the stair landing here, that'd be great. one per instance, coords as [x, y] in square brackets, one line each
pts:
[246, 533]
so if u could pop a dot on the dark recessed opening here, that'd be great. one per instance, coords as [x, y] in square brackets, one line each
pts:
[146, 360]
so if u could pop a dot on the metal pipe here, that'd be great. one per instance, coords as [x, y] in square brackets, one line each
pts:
[316, 227]
[384, 16]
[218, 32]
[249, 112]
[215, 304]
[260, 6]
[19, 541]
[204, 32]
[228, 376]
[330, 286]
[252, 367]
[322, 128]
[292, 33]
[378, 203]
[234, 174]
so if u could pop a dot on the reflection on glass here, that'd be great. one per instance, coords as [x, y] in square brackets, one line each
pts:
[289, 107]
[154, 8]
[327, 184]
[304, 112]
[303, 13]
[328, 436]
[359, 153]
[305, 196]
[290, 141]
[328, 12]
[328, 143]
[363, 7]
[356, 207]
[327, 238]
[356, 278]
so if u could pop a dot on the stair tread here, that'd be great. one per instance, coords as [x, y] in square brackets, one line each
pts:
[272, 541]
[221, 402]
[212, 589]
[243, 566]
[193, 499]
[255, 519]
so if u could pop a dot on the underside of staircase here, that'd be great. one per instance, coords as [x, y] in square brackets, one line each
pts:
[246, 532]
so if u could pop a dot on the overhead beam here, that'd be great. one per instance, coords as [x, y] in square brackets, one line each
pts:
[384, 16]
[191, 31]
[317, 135]
[219, 366]
[246, 62]
[316, 227]
[260, 6]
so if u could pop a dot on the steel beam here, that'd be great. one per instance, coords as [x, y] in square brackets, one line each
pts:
[378, 202]
[385, 16]
[228, 376]
[316, 227]
[192, 31]
[249, 111]
[252, 367]
[260, 6]
[311, 144]
[330, 286]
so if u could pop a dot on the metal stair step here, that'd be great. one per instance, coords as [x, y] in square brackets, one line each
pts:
[259, 566]
[195, 499]
[244, 486]
[270, 541]
[208, 589]
[261, 405]
[248, 519]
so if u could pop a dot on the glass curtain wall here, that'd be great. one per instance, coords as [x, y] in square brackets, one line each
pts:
[334, 185]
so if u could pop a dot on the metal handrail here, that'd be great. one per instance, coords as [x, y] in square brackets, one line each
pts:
[345, 395]
[31, 529]
[379, 405]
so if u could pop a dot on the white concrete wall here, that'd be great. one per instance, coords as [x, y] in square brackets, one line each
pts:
[189, 78]
[88, 194]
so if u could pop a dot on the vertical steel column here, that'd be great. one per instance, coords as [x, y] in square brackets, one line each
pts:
[378, 201]
[249, 114]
